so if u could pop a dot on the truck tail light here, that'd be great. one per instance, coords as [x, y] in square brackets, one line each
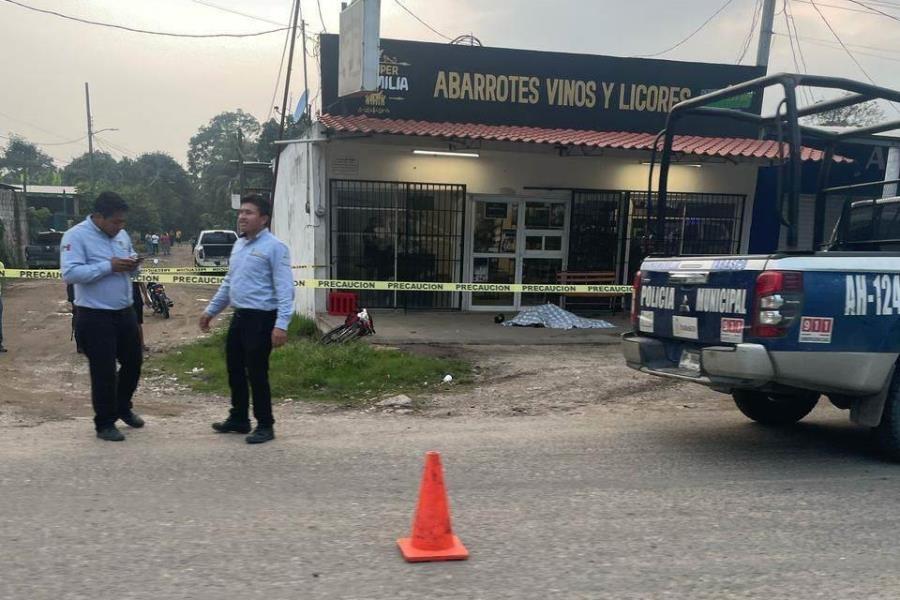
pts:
[776, 305]
[635, 302]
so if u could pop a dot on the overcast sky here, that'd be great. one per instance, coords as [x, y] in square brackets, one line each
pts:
[158, 91]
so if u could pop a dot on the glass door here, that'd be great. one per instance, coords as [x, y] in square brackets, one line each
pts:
[517, 240]
[495, 247]
[544, 230]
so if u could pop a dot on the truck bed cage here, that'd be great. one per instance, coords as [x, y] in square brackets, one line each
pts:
[785, 125]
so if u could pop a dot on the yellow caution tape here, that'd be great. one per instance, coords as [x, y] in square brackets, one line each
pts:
[358, 285]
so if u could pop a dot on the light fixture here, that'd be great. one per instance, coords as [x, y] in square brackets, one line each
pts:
[444, 153]
[695, 165]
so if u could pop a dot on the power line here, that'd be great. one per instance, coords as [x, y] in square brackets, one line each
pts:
[53, 133]
[24, 138]
[287, 37]
[845, 8]
[847, 50]
[791, 23]
[237, 12]
[756, 12]
[692, 34]
[417, 18]
[875, 10]
[824, 44]
[144, 31]
[321, 18]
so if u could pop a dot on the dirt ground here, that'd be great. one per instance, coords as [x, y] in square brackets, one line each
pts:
[42, 378]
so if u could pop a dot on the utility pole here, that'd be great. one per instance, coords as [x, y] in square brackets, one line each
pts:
[284, 106]
[87, 101]
[765, 33]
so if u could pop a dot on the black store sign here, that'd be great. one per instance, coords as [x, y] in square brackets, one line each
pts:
[498, 86]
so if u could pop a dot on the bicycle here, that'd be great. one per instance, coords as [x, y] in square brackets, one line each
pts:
[354, 326]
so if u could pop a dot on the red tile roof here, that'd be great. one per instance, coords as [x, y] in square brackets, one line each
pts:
[687, 144]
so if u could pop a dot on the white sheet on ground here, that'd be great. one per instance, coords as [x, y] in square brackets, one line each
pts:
[554, 317]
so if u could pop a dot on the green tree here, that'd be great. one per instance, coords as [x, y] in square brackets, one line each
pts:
[210, 153]
[107, 173]
[858, 115]
[160, 178]
[20, 157]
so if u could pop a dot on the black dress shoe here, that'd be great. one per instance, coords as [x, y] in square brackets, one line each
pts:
[132, 420]
[261, 435]
[110, 434]
[229, 426]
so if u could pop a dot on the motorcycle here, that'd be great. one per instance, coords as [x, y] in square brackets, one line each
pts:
[159, 301]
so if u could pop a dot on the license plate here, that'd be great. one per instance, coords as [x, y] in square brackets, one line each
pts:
[690, 361]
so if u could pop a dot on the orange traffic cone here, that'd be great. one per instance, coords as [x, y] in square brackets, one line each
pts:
[432, 537]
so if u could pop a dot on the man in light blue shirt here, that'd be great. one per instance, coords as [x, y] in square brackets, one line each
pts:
[260, 287]
[97, 257]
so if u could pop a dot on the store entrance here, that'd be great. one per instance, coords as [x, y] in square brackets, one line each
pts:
[515, 240]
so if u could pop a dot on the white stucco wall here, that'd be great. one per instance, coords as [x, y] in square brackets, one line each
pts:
[298, 219]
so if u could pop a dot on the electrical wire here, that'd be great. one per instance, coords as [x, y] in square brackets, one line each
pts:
[839, 7]
[417, 18]
[787, 22]
[685, 39]
[847, 50]
[237, 12]
[811, 91]
[756, 12]
[321, 18]
[22, 137]
[143, 31]
[38, 127]
[874, 10]
[280, 68]
[830, 44]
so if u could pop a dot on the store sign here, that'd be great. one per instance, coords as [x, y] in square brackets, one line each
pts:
[465, 84]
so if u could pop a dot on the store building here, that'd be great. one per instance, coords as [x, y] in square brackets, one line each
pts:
[492, 165]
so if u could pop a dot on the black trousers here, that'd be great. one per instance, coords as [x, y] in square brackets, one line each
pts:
[247, 351]
[108, 336]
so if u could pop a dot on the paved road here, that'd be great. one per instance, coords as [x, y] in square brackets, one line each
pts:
[618, 502]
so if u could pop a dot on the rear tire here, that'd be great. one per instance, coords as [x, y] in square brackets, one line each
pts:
[888, 431]
[165, 310]
[775, 409]
[333, 335]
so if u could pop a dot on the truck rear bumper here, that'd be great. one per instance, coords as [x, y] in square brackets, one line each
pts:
[722, 367]
[752, 366]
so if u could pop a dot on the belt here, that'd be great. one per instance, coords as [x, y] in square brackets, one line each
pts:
[104, 311]
[253, 311]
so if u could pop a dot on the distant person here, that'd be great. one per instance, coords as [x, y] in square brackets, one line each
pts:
[154, 244]
[2, 347]
[98, 258]
[178, 236]
[165, 243]
[260, 287]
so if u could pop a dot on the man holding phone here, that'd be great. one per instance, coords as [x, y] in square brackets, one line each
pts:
[98, 258]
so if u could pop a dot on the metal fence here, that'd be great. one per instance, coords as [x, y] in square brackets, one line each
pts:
[609, 227]
[398, 231]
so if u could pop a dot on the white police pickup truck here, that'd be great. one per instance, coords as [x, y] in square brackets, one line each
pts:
[779, 331]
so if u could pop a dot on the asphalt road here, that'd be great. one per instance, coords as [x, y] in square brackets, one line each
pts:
[617, 502]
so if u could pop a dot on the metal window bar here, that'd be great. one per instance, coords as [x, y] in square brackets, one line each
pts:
[398, 231]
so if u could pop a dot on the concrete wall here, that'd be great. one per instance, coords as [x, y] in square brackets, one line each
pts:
[299, 219]
[14, 216]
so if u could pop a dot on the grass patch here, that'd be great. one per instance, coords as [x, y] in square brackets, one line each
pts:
[303, 369]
